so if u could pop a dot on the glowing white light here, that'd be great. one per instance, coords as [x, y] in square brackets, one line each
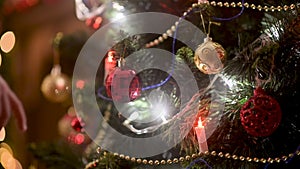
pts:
[119, 15]
[117, 6]
[230, 82]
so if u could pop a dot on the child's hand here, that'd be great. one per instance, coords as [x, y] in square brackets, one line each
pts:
[9, 103]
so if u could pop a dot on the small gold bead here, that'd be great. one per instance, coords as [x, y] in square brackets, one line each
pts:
[234, 157]
[151, 43]
[252, 6]
[133, 159]
[194, 155]
[213, 3]
[165, 36]
[279, 8]
[150, 162]
[220, 4]
[147, 45]
[169, 161]
[272, 8]
[206, 152]
[298, 152]
[194, 5]
[175, 160]
[266, 8]
[291, 155]
[285, 7]
[277, 160]
[220, 154]
[145, 161]
[169, 32]
[181, 159]
[239, 4]
[249, 159]
[156, 42]
[227, 155]
[270, 160]
[246, 5]
[232, 4]
[242, 158]
[190, 9]
[163, 162]
[292, 6]
[176, 23]
[226, 4]
[160, 39]
[122, 156]
[185, 13]
[263, 160]
[139, 160]
[284, 158]
[127, 158]
[156, 162]
[259, 7]
[214, 153]
[255, 159]
[116, 154]
[173, 28]
[187, 157]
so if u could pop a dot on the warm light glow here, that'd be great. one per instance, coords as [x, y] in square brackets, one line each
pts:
[7, 147]
[2, 134]
[200, 123]
[7, 41]
[7, 160]
[0, 59]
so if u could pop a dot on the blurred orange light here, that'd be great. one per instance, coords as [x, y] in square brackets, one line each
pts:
[7, 41]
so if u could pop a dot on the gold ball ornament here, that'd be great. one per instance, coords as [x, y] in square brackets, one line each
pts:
[56, 86]
[209, 57]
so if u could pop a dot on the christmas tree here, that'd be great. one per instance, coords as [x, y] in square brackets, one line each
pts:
[225, 96]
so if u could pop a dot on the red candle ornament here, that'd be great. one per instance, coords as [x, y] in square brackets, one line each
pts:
[201, 136]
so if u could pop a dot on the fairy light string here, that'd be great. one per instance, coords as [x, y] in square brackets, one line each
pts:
[197, 157]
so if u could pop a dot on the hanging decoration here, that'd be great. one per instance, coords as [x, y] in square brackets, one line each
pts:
[56, 86]
[122, 84]
[209, 56]
[261, 114]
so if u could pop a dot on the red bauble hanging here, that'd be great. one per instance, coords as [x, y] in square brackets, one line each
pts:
[77, 124]
[261, 114]
[123, 85]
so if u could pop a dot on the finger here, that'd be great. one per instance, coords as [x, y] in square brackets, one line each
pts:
[6, 110]
[18, 110]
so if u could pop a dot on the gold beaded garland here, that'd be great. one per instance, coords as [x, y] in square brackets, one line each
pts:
[170, 31]
[284, 158]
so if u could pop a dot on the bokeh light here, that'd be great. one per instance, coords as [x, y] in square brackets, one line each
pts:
[2, 134]
[7, 41]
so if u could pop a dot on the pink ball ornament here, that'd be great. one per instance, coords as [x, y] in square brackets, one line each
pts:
[122, 85]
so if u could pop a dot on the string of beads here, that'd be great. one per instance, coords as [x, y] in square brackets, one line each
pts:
[265, 8]
[283, 158]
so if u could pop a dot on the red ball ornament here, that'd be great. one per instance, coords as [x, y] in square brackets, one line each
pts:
[123, 85]
[77, 124]
[261, 114]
